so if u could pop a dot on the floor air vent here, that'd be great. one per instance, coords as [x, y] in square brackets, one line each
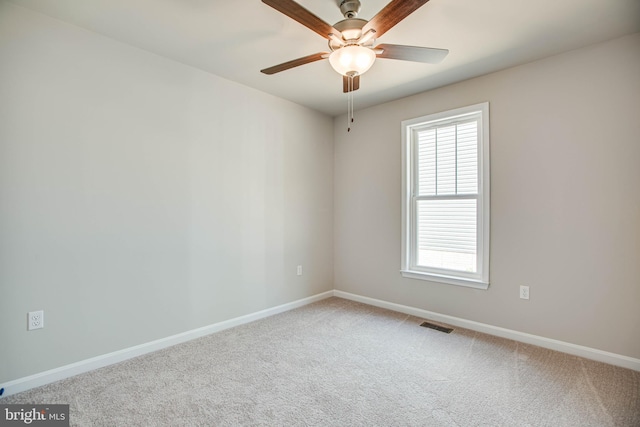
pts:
[436, 327]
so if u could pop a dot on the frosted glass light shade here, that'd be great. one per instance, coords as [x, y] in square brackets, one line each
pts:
[352, 59]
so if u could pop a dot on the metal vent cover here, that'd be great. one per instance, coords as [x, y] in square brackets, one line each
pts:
[436, 327]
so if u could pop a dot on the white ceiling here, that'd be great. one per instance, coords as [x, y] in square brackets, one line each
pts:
[237, 38]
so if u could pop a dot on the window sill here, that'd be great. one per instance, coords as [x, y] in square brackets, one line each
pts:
[469, 283]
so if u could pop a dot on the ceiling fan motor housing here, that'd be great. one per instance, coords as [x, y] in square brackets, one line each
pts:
[351, 29]
[350, 8]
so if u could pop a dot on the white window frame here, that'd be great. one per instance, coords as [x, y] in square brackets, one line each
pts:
[479, 279]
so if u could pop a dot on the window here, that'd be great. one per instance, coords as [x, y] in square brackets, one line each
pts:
[445, 202]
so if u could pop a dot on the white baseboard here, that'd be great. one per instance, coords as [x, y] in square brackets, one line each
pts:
[46, 377]
[576, 350]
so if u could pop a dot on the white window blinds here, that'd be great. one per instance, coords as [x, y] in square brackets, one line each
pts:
[448, 159]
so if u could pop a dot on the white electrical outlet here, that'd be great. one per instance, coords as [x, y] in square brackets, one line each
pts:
[299, 270]
[524, 292]
[35, 320]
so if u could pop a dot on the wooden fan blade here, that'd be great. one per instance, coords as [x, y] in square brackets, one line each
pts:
[428, 55]
[391, 14]
[345, 84]
[295, 63]
[298, 13]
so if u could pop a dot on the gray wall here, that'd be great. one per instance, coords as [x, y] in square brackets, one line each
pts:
[140, 198]
[565, 199]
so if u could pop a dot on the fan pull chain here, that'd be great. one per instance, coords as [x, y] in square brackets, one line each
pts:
[349, 101]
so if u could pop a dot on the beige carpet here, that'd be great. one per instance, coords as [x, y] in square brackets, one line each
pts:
[341, 363]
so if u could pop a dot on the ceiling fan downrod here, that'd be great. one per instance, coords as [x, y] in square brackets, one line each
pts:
[350, 8]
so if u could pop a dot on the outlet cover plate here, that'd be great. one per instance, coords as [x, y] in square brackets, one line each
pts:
[524, 292]
[35, 320]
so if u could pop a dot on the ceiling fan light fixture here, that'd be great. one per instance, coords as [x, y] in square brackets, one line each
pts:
[352, 59]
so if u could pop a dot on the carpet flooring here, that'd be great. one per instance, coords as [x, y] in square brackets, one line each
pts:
[341, 363]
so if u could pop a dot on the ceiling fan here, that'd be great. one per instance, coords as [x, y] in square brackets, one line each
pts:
[352, 41]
